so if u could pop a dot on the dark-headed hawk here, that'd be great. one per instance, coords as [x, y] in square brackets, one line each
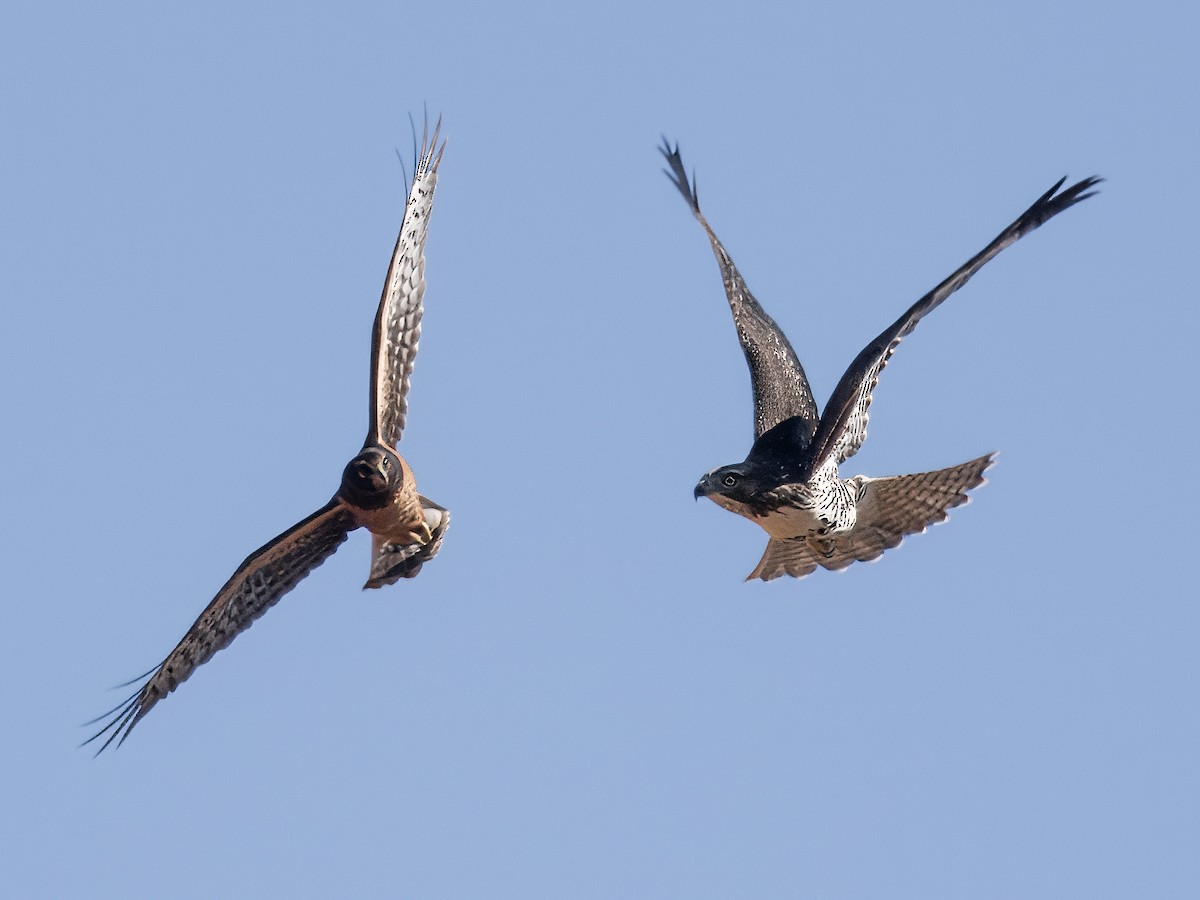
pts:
[789, 484]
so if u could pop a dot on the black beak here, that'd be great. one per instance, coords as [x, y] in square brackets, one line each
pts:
[700, 491]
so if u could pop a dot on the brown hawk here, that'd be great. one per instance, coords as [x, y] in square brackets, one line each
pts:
[789, 484]
[377, 490]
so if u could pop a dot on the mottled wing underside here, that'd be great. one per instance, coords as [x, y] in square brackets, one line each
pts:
[843, 426]
[398, 323]
[888, 509]
[265, 576]
[391, 561]
[781, 389]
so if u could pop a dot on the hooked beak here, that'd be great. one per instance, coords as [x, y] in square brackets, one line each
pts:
[701, 489]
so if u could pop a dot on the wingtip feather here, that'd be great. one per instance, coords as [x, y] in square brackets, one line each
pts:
[127, 715]
[678, 175]
[1055, 200]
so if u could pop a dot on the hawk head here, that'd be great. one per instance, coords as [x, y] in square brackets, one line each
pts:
[735, 488]
[745, 489]
[726, 481]
[372, 478]
[776, 459]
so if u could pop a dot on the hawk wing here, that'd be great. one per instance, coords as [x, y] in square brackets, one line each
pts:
[266, 575]
[888, 509]
[391, 561]
[398, 322]
[843, 427]
[780, 387]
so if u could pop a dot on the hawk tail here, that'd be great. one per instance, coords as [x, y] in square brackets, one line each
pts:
[908, 504]
[391, 561]
[888, 509]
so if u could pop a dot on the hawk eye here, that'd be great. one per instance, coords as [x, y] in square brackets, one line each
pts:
[729, 480]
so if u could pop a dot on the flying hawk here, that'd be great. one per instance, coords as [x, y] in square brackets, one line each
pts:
[789, 483]
[377, 490]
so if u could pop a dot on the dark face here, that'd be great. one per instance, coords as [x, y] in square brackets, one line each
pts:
[371, 478]
[727, 481]
[744, 488]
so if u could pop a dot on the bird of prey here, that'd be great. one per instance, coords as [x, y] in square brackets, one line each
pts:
[789, 483]
[377, 490]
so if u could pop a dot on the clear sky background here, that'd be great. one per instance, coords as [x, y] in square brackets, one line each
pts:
[580, 697]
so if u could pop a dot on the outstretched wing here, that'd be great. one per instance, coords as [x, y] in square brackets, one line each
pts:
[843, 426]
[780, 387]
[267, 574]
[398, 322]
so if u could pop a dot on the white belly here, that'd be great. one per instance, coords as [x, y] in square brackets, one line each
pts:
[802, 512]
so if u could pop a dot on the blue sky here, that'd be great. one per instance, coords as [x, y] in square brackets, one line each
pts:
[580, 697]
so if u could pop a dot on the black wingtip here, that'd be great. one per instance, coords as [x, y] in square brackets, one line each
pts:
[678, 174]
[122, 717]
[127, 714]
[1055, 201]
[1083, 189]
